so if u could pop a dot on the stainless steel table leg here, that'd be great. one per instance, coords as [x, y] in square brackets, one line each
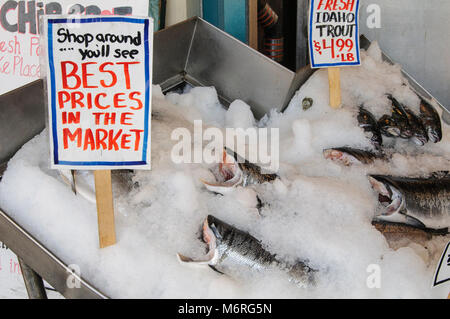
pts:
[33, 282]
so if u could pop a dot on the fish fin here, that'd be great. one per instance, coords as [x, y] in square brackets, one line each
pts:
[401, 217]
[215, 269]
[414, 221]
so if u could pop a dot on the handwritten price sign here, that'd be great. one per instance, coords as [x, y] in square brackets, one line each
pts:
[99, 91]
[333, 33]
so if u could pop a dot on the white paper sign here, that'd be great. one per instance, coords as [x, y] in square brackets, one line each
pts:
[443, 269]
[99, 91]
[19, 32]
[333, 33]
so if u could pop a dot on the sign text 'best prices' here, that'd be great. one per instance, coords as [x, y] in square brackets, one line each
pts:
[99, 83]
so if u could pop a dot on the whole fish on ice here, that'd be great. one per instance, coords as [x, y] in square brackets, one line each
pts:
[388, 126]
[403, 123]
[235, 253]
[237, 172]
[419, 135]
[370, 125]
[431, 121]
[400, 117]
[349, 156]
[419, 202]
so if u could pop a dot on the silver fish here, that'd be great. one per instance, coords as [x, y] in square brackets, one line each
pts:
[431, 121]
[237, 172]
[236, 253]
[419, 202]
[369, 124]
[349, 156]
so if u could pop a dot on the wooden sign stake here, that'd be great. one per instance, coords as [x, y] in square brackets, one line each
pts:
[253, 24]
[334, 81]
[105, 208]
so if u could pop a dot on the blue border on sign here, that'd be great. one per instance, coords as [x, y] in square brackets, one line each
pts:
[145, 22]
[311, 53]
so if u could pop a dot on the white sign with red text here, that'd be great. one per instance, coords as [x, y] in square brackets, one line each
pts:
[99, 91]
[333, 33]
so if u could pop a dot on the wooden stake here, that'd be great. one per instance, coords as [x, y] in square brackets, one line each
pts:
[105, 208]
[253, 24]
[335, 87]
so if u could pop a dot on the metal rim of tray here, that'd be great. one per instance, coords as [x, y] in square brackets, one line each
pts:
[44, 262]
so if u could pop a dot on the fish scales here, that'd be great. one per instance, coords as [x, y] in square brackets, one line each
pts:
[242, 248]
[252, 174]
[426, 197]
[234, 252]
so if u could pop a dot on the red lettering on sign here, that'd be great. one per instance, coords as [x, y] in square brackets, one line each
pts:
[112, 140]
[124, 118]
[117, 100]
[72, 73]
[138, 138]
[140, 105]
[100, 140]
[86, 74]
[68, 135]
[113, 75]
[89, 140]
[124, 141]
[126, 72]
[63, 97]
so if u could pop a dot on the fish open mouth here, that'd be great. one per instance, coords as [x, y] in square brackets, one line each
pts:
[209, 236]
[393, 131]
[230, 172]
[339, 156]
[388, 195]
[419, 140]
[433, 136]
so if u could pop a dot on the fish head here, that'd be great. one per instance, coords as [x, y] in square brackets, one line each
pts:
[420, 137]
[363, 116]
[397, 108]
[211, 237]
[366, 120]
[229, 166]
[406, 130]
[340, 155]
[210, 229]
[388, 195]
[434, 135]
[393, 131]
[230, 172]
[388, 126]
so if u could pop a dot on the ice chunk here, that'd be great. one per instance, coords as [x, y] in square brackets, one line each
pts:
[240, 115]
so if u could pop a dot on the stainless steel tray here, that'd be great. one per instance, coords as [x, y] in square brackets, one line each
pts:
[193, 52]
